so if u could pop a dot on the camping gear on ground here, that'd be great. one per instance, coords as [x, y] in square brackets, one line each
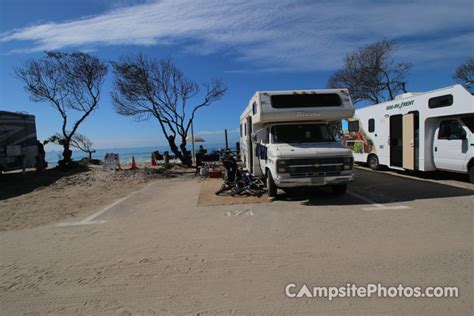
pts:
[203, 172]
[153, 161]
[239, 181]
[214, 174]
[111, 162]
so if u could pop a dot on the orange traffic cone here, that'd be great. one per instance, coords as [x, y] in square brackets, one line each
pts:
[134, 165]
[153, 161]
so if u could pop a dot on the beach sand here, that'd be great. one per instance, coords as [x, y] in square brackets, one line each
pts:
[32, 199]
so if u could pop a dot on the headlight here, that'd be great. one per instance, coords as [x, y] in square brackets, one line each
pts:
[347, 159]
[281, 163]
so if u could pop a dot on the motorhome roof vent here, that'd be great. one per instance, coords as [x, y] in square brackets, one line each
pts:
[407, 95]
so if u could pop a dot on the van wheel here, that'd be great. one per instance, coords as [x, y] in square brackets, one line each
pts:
[271, 187]
[339, 188]
[471, 174]
[373, 162]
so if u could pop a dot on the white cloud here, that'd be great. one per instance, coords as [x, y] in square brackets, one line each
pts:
[283, 35]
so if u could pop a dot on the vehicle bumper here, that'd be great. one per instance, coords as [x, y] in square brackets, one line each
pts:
[288, 182]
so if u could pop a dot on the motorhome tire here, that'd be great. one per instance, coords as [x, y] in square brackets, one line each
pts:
[271, 187]
[373, 162]
[339, 188]
[471, 174]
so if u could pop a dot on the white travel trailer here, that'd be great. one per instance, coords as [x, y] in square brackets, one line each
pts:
[417, 131]
[285, 137]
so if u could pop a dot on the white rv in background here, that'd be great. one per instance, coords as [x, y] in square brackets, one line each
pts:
[417, 131]
[285, 137]
[19, 148]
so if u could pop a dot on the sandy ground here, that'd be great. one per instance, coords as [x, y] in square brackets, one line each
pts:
[33, 199]
[158, 253]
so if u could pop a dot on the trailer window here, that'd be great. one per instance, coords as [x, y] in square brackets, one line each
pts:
[439, 102]
[469, 121]
[353, 126]
[371, 125]
[304, 133]
[240, 130]
[305, 100]
[450, 129]
[254, 108]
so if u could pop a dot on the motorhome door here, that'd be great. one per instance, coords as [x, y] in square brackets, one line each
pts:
[408, 136]
[250, 143]
[396, 143]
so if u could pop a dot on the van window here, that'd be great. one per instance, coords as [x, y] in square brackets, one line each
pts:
[439, 102]
[450, 129]
[469, 121]
[305, 100]
[371, 125]
[254, 108]
[262, 136]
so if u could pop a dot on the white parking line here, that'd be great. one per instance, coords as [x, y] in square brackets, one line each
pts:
[377, 206]
[90, 219]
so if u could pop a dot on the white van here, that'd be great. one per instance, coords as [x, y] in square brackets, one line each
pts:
[285, 137]
[417, 131]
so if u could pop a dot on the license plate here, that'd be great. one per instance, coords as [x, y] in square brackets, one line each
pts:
[317, 180]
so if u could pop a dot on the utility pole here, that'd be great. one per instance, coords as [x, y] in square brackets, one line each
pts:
[192, 140]
[226, 142]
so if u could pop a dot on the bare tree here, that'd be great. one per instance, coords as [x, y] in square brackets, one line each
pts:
[83, 143]
[371, 74]
[69, 82]
[78, 141]
[465, 72]
[146, 88]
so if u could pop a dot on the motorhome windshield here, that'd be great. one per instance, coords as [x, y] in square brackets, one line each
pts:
[305, 100]
[303, 133]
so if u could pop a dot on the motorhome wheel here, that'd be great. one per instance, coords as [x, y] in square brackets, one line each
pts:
[373, 162]
[271, 187]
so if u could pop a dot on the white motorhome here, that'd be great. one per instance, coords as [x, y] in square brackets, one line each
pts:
[285, 137]
[417, 131]
[19, 148]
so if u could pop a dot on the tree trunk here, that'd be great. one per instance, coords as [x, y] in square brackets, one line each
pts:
[187, 159]
[178, 154]
[90, 156]
[67, 154]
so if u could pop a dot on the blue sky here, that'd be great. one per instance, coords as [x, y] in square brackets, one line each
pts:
[251, 45]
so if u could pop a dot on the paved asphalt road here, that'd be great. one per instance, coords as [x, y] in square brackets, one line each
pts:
[158, 253]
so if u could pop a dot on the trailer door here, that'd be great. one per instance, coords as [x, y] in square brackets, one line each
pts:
[408, 137]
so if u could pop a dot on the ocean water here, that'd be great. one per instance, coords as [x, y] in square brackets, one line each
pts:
[141, 154]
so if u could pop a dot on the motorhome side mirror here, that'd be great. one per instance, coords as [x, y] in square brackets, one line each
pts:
[463, 135]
